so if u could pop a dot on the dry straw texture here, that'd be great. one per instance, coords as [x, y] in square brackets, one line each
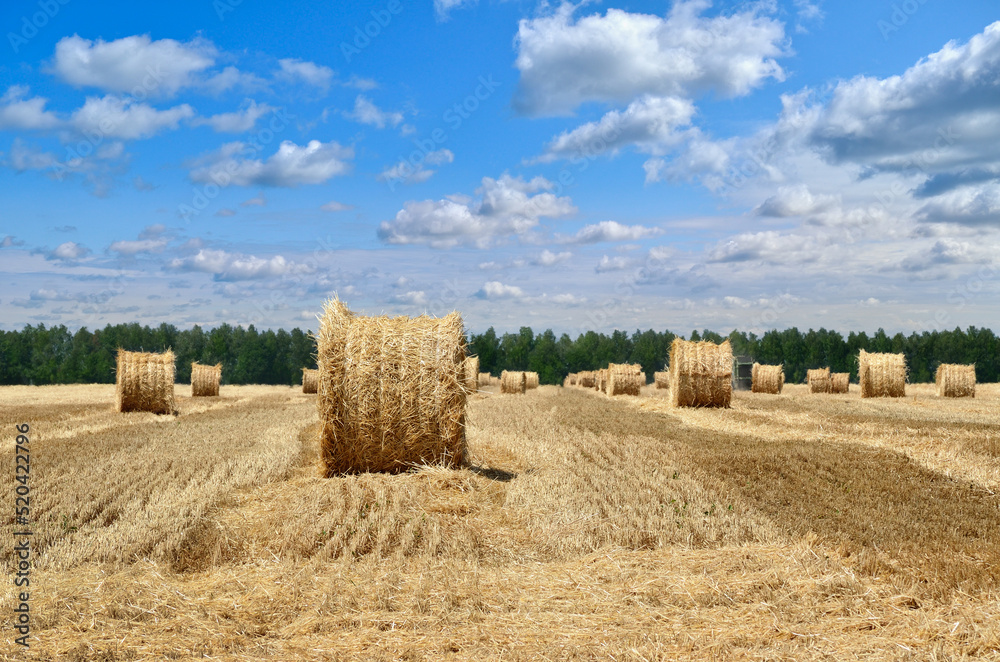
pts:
[205, 379]
[701, 374]
[767, 378]
[310, 380]
[956, 381]
[512, 381]
[625, 379]
[840, 382]
[819, 380]
[662, 379]
[485, 379]
[882, 375]
[601, 383]
[145, 382]
[587, 379]
[530, 380]
[470, 373]
[390, 391]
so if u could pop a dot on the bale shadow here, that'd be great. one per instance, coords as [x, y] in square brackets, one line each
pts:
[493, 474]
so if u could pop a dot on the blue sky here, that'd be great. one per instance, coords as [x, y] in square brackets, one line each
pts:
[681, 165]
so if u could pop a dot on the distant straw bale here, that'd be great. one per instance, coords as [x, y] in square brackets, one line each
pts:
[390, 391]
[819, 380]
[840, 382]
[144, 381]
[587, 379]
[882, 375]
[701, 374]
[512, 381]
[310, 380]
[662, 379]
[625, 379]
[530, 380]
[956, 381]
[767, 378]
[205, 379]
[470, 373]
[485, 379]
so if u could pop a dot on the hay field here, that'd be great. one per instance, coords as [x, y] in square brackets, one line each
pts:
[792, 526]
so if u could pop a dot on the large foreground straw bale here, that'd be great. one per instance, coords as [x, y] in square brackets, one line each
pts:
[530, 380]
[840, 382]
[470, 373]
[513, 381]
[818, 380]
[205, 379]
[882, 375]
[662, 379]
[701, 374]
[625, 379]
[390, 391]
[956, 381]
[145, 382]
[310, 380]
[767, 378]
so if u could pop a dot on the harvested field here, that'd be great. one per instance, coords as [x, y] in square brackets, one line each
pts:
[785, 527]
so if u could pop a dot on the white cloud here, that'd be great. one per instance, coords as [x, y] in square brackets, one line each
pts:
[406, 172]
[68, 251]
[118, 117]
[9, 241]
[548, 258]
[795, 201]
[257, 201]
[771, 247]
[240, 121]
[649, 123]
[19, 113]
[506, 206]
[497, 290]
[295, 70]
[141, 246]
[565, 62]
[611, 231]
[442, 8]
[227, 266]
[607, 263]
[334, 206]
[414, 298]
[292, 165]
[366, 112]
[132, 64]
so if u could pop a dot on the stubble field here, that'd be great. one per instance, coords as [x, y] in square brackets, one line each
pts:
[794, 527]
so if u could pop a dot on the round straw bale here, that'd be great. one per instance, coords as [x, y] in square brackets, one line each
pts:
[470, 373]
[144, 381]
[956, 381]
[819, 380]
[767, 378]
[485, 379]
[513, 381]
[310, 380]
[625, 379]
[701, 374]
[882, 375]
[205, 379]
[390, 391]
[840, 382]
[662, 379]
[530, 380]
[587, 379]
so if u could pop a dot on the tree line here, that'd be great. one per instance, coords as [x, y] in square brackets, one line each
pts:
[55, 355]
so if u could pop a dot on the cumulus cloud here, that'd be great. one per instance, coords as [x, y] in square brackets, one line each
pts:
[505, 206]
[225, 266]
[68, 251]
[412, 298]
[294, 70]
[18, 113]
[292, 165]
[611, 231]
[548, 258]
[772, 247]
[159, 67]
[496, 290]
[366, 112]
[968, 205]
[607, 263]
[239, 121]
[649, 123]
[123, 117]
[565, 61]
[794, 201]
